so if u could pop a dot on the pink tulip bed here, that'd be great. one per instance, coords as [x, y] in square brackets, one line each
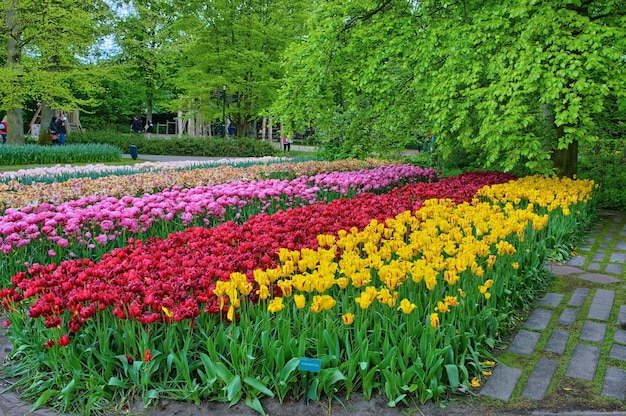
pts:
[400, 282]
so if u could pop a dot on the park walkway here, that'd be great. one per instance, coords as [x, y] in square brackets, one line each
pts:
[584, 324]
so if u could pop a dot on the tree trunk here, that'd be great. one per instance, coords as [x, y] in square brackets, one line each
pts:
[44, 120]
[263, 127]
[15, 118]
[271, 131]
[565, 160]
[179, 124]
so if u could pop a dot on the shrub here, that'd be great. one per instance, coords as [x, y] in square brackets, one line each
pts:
[185, 146]
[33, 154]
[609, 172]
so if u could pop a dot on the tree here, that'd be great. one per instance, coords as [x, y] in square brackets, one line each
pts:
[348, 78]
[44, 42]
[150, 44]
[239, 45]
[522, 81]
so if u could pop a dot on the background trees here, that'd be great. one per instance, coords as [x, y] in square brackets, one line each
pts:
[518, 83]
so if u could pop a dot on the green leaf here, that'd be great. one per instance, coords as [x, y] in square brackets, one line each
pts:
[114, 381]
[258, 385]
[43, 399]
[453, 376]
[255, 404]
[233, 389]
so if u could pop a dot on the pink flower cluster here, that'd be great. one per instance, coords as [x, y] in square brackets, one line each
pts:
[96, 219]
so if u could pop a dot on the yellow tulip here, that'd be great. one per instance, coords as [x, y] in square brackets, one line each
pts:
[300, 301]
[406, 306]
[475, 382]
[367, 297]
[451, 301]
[434, 320]
[263, 292]
[275, 305]
[442, 307]
[167, 312]
[347, 318]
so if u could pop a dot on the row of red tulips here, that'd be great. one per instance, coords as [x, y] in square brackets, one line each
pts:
[174, 278]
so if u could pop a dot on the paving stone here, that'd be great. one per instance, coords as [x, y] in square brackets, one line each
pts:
[524, 342]
[584, 362]
[577, 261]
[598, 257]
[620, 245]
[614, 268]
[620, 336]
[502, 382]
[614, 383]
[621, 315]
[552, 299]
[568, 317]
[539, 319]
[578, 297]
[594, 267]
[618, 352]
[593, 331]
[598, 278]
[618, 258]
[601, 305]
[540, 379]
[558, 341]
[604, 245]
[560, 270]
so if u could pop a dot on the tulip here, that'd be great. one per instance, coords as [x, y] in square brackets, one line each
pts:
[347, 318]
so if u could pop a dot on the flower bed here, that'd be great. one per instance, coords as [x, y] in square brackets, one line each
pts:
[18, 195]
[404, 292]
[95, 224]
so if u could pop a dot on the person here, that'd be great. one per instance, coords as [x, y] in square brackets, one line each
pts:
[52, 129]
[150, 128]
[286, 144]
[4, 129]
[136, 126]
[61, 129]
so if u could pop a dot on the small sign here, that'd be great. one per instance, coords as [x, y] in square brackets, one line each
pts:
[311, 365]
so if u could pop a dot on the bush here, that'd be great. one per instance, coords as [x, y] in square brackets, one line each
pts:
[186, 146]
[33, 154]
[609, 172]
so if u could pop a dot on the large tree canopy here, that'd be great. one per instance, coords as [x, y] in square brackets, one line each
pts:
[524, 81]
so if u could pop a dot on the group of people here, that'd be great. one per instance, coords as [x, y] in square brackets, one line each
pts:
[136, 126]
[58, 129]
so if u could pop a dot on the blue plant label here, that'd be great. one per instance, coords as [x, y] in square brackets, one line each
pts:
[312, 365]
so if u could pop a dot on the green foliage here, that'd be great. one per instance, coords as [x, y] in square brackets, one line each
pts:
[516, 80]
[239, 147]
[72, 153]
[608, 171]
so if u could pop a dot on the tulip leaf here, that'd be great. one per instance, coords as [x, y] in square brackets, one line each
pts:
[258, 385]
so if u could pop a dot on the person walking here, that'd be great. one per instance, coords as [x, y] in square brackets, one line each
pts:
[136, 126]
[286, 144]
[52, 129]
[61, 129]
[4, 129]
